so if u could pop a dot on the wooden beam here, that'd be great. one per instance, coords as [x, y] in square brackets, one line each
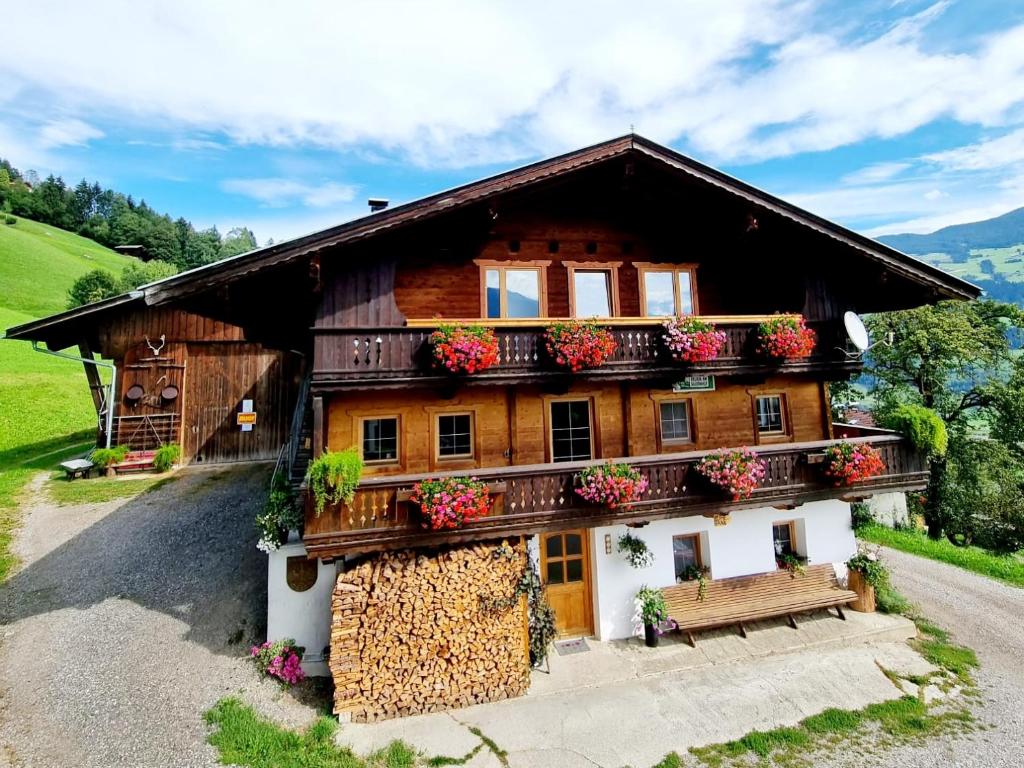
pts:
[92, 375]
[319, 438]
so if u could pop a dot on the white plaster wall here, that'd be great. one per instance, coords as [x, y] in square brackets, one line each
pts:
[889, 509]
[742, 547]
[302, 616]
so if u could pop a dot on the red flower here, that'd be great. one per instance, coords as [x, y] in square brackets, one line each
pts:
[579, 344]
[786, 337]
[464, 350]
[848, 464]
[451, 501]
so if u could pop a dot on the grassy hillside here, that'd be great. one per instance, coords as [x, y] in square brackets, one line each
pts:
[45, 408]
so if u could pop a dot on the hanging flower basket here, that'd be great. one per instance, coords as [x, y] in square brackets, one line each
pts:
[451, 501]
[579, 344]
[736, 472]
[611, 485]
[785, 337]
[693, 341]
[464, 349]
[847, 464]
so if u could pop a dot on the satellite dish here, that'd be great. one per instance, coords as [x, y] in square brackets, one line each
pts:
[856, 331]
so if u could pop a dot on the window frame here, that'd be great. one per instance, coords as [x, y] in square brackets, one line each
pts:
[611, 267]
[791, 525]
[643, 267]
[549, 426]
[540, 266]
[458, 457]
[671, 442]
[771, 435]
[698, 550]
[360, 431]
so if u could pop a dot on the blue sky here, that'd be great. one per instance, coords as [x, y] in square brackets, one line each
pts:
[886, 115]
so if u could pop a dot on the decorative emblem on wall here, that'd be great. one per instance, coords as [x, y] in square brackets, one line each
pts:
[154, 349]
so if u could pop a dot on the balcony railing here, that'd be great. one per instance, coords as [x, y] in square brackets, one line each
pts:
[395, 356]
[540, 497]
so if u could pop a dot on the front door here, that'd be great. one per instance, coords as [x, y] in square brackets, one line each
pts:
[565, 566]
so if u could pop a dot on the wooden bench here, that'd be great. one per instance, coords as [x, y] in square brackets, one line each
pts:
[743, 599]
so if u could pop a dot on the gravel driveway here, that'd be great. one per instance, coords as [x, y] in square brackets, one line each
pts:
[129, 619]
[988, 616]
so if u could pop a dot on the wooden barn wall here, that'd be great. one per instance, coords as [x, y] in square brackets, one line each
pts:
[511, 422]
[131, 329]
[219, 377]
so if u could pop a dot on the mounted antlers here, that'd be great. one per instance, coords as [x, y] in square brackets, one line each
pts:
[156, 350]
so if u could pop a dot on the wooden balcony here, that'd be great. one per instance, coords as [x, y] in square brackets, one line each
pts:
[396, 357]
[534, 498]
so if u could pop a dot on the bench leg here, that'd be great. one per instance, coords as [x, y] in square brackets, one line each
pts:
[743, 630]
[792, 621]
[689, 636]
[839, 610]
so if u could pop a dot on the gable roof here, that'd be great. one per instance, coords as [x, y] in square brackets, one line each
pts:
[208, 276]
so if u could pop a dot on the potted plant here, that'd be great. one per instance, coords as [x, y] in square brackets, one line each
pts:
[281, 659]
[847, 464]
[652, 609]
[579, 344]
[792, 563]
[450, 502]
[611, 485]
[468, 350]
[279, 516]
[107, 458]
[700, 575]
[785, 337]
[737, 472]
[166, 456]
[690, 340]
[334, 476]
[865, 574]
[636, 550]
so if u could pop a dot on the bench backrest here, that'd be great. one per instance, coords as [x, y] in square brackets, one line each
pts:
[758, 587]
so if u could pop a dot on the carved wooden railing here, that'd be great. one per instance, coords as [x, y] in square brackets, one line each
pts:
[353, 356]
[533, 498]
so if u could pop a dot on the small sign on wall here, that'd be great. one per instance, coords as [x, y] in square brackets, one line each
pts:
[246, 419]
[696, 383]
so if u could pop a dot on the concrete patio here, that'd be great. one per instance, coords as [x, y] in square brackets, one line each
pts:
[621, 703]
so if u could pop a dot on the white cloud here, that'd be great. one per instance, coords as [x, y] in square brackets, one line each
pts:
[67, 133]
[874, 173]
[277, 193]
[985, 155]
[461, 83]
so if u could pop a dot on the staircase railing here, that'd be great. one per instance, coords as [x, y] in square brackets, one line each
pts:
[298, 416]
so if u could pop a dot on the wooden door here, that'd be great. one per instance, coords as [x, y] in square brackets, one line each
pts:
[565, 568]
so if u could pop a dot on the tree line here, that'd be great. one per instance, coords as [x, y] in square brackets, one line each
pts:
[112, 218]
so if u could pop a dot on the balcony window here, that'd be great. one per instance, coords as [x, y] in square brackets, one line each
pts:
[455, 436]
[593, 288]
[380, 440]
[675, 421]
[515, 289]
[770, 417]
[783, 538]
[686, 554]
[571, 437]
[668, 291]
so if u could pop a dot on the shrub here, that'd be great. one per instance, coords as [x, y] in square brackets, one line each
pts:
[860, 515]
[451, 501]
[579, 344]
[613, 485]
[847, 463]
[785, 337]
[868, 564]
[737, 472]
[280, 514]
[143, 272]
[281, 659]
[651, 604]
[464, 350]
[636, 550]
[93, 286]
[166, 456]
[922, 426]
[334, 476]
[105, 457]
[9, 220]
[693, 341]
[983, 498]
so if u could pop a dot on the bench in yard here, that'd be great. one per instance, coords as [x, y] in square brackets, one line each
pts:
[735, 601]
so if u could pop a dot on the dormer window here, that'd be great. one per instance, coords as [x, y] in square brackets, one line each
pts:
[668, 290]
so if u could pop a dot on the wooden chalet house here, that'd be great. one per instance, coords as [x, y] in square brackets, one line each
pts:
[328, 336]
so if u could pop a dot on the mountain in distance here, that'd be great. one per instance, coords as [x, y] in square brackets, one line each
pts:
[959, 240]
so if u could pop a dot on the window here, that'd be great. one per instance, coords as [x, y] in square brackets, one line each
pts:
[380, 440]
[592, 290]
[770, 419]
[783, 538]
[563, 558]
[513, 289]
[668, 291]
[454, 435]
[675, 421]
[570, 431]
[686, 552]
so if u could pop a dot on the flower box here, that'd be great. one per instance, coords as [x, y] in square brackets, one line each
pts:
[785, 337]
[690, 340]
[847, 464]
[579, 344]
[737, 472]
[466, 350]
[611, 485]
[450, 502]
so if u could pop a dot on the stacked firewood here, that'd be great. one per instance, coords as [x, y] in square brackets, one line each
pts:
[418, 631]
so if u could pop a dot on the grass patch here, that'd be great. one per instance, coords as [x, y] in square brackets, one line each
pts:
[1006, 568]
[243, 738]
[100, 489]
[955, 659]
